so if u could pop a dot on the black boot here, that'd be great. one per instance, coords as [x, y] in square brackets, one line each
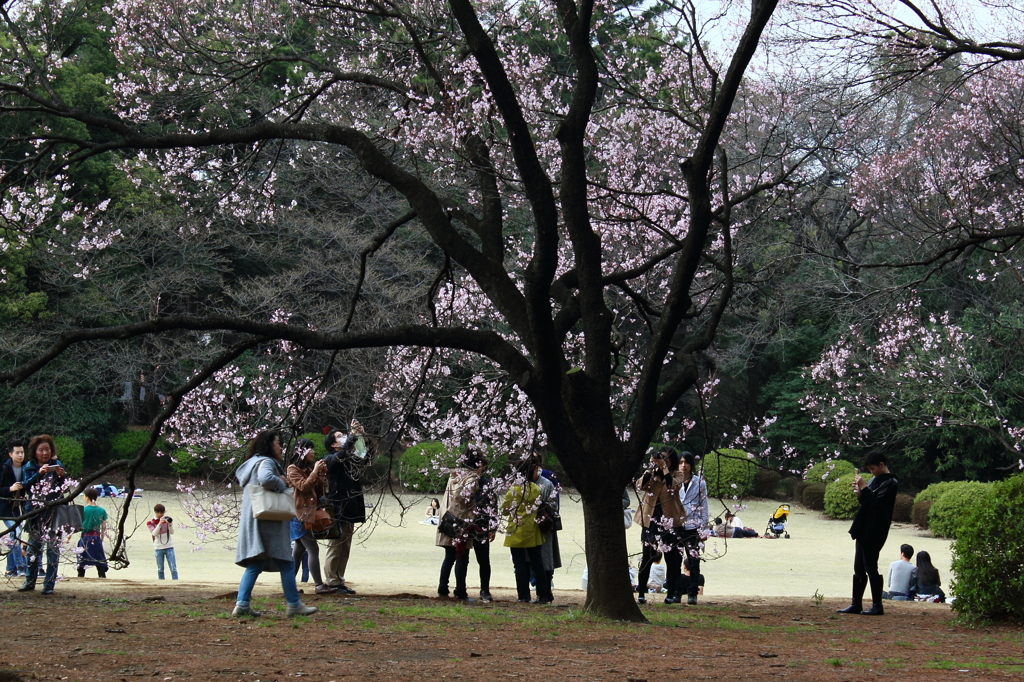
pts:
[876, 597]
[857, 605]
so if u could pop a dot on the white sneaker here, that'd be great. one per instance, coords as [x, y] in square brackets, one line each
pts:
[300, 610]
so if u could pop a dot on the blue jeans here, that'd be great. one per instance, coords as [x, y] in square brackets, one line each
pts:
[16, 558]
[161, 554]
[37, 544]
[252, 571]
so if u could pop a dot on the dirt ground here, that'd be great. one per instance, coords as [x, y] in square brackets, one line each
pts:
[84, 633]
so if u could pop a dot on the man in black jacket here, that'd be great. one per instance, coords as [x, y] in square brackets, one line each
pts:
[870, 529]
[345, 491]
[10, 504]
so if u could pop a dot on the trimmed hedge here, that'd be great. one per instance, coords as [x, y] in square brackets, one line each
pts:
[919, 514]
[71, 454]
[988, 573]
[318, 442]
[798, 490]
[903, 509]
[934, 491]
[840, 500]
[424, 467]
[814, 496]
[765, 482]
[785, 489]
[947, 513]
[829, 472]
[728, 473]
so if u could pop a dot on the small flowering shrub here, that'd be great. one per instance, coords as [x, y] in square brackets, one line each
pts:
[829, 471]
[919, 514]
[729, 473]
[948, 512]
[424, 467]
[840, 502]
[71, 454]
[988, 571]
[814, 496]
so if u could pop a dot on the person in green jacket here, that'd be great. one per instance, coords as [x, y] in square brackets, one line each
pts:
[524, 538]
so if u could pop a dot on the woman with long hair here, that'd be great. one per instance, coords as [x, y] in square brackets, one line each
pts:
[42, 479]
[264, 545]
[661, 517]
[928, 583]
[309, 481]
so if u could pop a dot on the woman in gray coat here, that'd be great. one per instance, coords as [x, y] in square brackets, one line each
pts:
[264, 545]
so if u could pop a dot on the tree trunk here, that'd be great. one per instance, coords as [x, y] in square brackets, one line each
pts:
[609, 592]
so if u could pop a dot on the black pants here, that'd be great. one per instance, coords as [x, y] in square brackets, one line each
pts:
[673, 567]
[690, 540]
[483, 560]
[865, 559]
[524, 561]
[460, 560]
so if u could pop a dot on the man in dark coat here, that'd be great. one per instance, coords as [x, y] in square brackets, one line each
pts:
[870, 529]
[345, 491]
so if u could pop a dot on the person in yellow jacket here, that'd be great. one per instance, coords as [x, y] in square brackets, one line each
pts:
[524, 537]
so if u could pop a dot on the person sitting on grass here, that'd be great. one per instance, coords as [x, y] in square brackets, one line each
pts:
[656, 580]
[736, 529]
[433, 514]
[928, 586]
[902, 576]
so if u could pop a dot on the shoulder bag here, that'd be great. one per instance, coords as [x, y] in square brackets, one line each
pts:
[268, 505]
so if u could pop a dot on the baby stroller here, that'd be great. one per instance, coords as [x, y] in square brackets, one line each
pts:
[778, 522]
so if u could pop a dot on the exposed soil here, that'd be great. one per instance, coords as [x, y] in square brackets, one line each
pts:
[90, 634]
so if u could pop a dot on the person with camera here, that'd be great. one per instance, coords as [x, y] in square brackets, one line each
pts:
[43, 480]
[661, 517]
[161, 528]
[345, 491]
[460, 497]
[309, 481]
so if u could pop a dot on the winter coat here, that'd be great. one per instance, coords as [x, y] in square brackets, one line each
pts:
[549, 553]
[344, 485]
[874, 516]
[520, 510]
[695, 503]
[40, 488]
[460, 500]
[261, 540]
[309, 487]
[10, 502]
[655, 487]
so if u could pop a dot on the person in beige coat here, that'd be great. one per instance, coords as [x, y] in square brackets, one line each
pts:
[460, 497]
[660, 516]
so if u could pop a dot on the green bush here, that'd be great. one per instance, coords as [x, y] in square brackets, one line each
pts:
[933, 492]
[71, 454]
[424, 467]
[785, 489]
[947, 513]
[840, 500]
[988, 571]
[728, 473]
[919, 514]
[829, 472]
[814, 496]
[318, 442]
[765, 482]
[798, 490]
[126, 445]
[903, 509]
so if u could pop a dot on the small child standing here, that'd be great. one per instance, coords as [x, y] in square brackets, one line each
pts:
[94, 527]
[162, 528]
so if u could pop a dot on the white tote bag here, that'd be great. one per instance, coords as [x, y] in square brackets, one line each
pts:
[270, 506]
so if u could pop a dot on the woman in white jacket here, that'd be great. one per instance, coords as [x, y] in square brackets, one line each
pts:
[694, 495]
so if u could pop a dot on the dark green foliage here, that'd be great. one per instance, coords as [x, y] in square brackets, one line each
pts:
[988, 555]
[70, 453]
[933, 492]
[785, 490]
[903, 509]
[424, 467]
[126, 445]
[948, 512]
[829, 472]
[765, 482]
[840, 500]
[318, 442]
[798, 490]
[919, 513]
[729, 473]
[814, 496]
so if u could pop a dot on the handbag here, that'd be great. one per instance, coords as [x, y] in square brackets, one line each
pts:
[270, 506]
[451, 525]
[547, 519]
[319, 522]
[67, 517]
